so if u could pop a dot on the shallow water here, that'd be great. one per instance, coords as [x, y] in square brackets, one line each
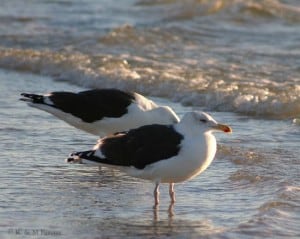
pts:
[249, 190]
[238, 60]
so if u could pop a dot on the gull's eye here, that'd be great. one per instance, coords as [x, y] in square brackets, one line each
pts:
[203, 120]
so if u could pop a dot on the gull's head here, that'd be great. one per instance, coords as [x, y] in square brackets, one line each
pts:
[205, 121]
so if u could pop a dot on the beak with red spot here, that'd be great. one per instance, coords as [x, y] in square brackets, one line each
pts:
[223, 127]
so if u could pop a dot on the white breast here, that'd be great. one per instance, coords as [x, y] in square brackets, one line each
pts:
[193, 158]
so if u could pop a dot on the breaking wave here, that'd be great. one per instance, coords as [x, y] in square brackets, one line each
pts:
[179, 83]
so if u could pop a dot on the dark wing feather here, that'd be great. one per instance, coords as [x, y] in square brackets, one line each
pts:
[142, 146]
[93, 105]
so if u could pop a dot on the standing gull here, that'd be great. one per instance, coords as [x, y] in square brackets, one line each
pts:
[160, 153]
[102, 111]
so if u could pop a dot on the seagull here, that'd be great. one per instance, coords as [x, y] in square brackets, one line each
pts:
[102, 111]
[159, 153]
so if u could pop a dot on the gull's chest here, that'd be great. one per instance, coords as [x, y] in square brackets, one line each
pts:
[198, 152]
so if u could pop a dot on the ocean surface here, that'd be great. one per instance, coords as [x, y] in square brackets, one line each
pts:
[237, 60]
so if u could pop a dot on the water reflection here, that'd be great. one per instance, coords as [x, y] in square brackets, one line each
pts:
[166, 223]
[171, 213]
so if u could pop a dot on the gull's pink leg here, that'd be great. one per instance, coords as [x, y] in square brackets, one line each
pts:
[156, 194]
[172, 192]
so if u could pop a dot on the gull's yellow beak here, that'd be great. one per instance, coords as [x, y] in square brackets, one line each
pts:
[223, 127]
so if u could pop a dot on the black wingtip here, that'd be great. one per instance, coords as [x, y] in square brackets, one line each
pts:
[25, 97]
[76, 157]
[32, 98]
[28, 95]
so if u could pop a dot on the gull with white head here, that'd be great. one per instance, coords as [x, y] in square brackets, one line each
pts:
[160, 153]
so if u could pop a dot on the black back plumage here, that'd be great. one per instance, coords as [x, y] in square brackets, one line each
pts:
[142, 146]
[91, 105]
